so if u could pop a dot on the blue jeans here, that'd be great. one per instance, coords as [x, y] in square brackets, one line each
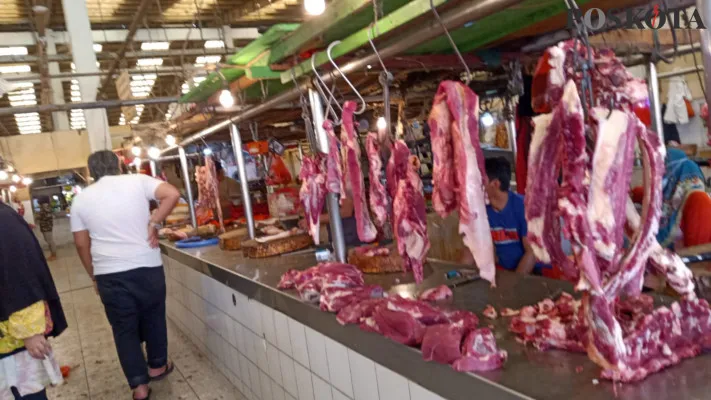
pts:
[135, 306]
[34, 396]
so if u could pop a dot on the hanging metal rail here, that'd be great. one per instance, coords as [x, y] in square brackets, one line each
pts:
[467, 12]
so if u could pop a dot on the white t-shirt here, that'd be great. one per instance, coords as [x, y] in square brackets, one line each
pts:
[115, 211]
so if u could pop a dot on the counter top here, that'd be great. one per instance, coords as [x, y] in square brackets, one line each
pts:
[528, 373]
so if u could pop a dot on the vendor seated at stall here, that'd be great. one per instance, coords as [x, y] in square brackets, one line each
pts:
[507, 219]
[229, 189]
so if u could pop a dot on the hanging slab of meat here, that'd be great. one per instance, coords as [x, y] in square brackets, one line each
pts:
[395, 325]
[398, 165]
[469, 173]
[611, 175]
[410, 220]
[439, 293]
[378, 198]
[480, 353]
[443, 343]
[366, 230]
[213, 185]
[335, 299]
[313, 193]
[541, 201]
[355, 313]
[334, 169]
[444, 191]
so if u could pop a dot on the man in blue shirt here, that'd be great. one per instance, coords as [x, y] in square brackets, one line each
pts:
[507, 218]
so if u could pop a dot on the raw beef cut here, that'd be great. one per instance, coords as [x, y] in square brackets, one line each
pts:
[541, 201]
[378, 198]
[443, 343]
[468, 166]
[313, 193]
[366, 230]
[439, 293]
[397, 166]
[480, 353]
[335, 299]
[293, 278]
[372, 251]
[208, 190]
[410, 219]
[420, 310]
[444, 191]
[395, 325]
[334, 169]
[355, 313]
[467, 319]
[490, 312]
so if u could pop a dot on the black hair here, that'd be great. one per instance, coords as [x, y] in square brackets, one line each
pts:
[499, 168]
[218, 166]
[103, 163]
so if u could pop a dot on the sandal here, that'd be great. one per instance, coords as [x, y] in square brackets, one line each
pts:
[148, 397]
[168, 369]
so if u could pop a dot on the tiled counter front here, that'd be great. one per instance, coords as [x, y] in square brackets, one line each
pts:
[270, 356]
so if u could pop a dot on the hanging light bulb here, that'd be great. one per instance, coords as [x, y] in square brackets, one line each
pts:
[3, 175]
[137, 162]
[381, 123]
[207, 151]
[10, 168]
[315, 7]
[16, 178]
[487, 119]
[170, 140]
[226, 98]
[13, 189]
[27, 181]
[154, 152]
[136, 151]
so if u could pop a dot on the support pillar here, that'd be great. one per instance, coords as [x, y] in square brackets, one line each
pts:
[154, 168]
[655, 106]
[242, 171]
[188, 188]
[59, 118]
[704, 7]
[82, 44]
[320, 144]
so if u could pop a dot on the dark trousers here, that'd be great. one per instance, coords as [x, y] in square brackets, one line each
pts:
[135, 306]
[34, 396]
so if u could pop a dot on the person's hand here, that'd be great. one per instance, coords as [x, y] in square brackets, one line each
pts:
[38, 346]
[152, 235]
[303, 224]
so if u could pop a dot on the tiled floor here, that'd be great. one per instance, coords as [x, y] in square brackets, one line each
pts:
[88, 347]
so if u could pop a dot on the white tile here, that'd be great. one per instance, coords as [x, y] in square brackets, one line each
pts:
[254, 380]
[277, 392]
[274, 364]
[303, 383]
[250, 344]
[261, 349]
[298, 342]
[339, 369]
[322, 390]
[234, 361]
[337, 395]
[363, 376]
[266, 386]
[281, 324]
[255, 317]
[288, 374]
[268, 324]
[244, 370]
[317, 352]
[240, 309]
[417, 392]
[391, 385]
[239, 333]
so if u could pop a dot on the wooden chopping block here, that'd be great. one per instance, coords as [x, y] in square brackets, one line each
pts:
[255, 249]
[232, 240]
[376, 264]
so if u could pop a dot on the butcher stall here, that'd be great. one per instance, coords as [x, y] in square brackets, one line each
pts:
[396, 107]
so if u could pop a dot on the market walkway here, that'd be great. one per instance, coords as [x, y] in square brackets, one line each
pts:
[88, 346]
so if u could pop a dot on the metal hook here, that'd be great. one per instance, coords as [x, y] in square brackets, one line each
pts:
[330, 99]
[451, 41]
[375, 50]
[345, 78]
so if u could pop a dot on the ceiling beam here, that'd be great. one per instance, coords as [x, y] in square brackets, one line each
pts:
[106, 55]
[26, 38]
